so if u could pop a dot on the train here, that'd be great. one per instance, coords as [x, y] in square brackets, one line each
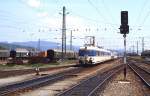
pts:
[85, 55]
[4, 54]
[50, 55]
[53, 55]
[146, 55]
[94, 55]
[56, 54]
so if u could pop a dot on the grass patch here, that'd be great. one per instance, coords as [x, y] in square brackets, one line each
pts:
[30, 66]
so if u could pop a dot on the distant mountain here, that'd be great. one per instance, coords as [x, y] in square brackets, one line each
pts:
[35, 44]
[2, 48]
[44, 45]
[5, 45]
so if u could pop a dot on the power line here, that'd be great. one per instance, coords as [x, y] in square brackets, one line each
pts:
[98, 11]
[7, 14]
[147, 15]
[141, 11]
[108, 10]
[91, 19]
[10, 26]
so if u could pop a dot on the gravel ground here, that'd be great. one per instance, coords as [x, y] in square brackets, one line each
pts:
[51, 90]
[14, 79]
[57, 87]
[11, 80]
[145, 66]
[131, 87]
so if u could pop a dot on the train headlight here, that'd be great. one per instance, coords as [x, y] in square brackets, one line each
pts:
[81, 60]
[90, 60]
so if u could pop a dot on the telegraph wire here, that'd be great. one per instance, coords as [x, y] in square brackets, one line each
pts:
[145, 18]
[108, 10]
[141, 11]
[98, 11]
[93, 20]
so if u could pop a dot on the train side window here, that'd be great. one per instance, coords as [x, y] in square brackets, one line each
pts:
[96, 53]
[106, 54]
[100, 53]
[103, 54]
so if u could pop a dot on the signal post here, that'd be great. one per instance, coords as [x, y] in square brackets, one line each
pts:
[124, 29]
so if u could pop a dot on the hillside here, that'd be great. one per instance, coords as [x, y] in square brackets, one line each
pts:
[44, 45]
[12, 46]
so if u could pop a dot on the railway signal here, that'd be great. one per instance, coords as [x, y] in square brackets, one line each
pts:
[124, 17]
[124, 29]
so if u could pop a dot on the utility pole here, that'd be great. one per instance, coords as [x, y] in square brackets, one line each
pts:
[71, 40]
[133, 49]
[57, 45]
[142, 44]
[137, 48]
[39, 45]
[93, 41]
[64, 33]
[130, 50]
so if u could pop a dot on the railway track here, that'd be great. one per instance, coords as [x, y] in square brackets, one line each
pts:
[4, 74]
[38, 82]
[141, 72]
[89, 86]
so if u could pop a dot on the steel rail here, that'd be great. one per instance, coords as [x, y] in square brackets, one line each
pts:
[4, 90]
[145, 69]
[8, 73]
[88, 86]
[140, 72]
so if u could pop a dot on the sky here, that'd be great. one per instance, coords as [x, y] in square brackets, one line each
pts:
[30, 20]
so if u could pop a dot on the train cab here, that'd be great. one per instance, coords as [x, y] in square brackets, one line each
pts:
[93, 55]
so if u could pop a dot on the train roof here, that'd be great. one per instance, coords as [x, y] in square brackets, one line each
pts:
[146, 52]
[59, 50]
[21, 50]
[94, 48]
[4, 50]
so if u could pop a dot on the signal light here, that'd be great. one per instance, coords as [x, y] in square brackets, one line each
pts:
[124, 17]
[124, 29]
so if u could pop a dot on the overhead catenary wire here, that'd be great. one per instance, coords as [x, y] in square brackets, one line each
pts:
[97, 10]
[108, 10]
[91, 19]
[141, 11]
[145, 18]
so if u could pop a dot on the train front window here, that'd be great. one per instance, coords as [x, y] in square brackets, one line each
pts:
[87, 53]
[82, 52]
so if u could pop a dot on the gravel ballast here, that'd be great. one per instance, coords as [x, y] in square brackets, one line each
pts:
[132, 86]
